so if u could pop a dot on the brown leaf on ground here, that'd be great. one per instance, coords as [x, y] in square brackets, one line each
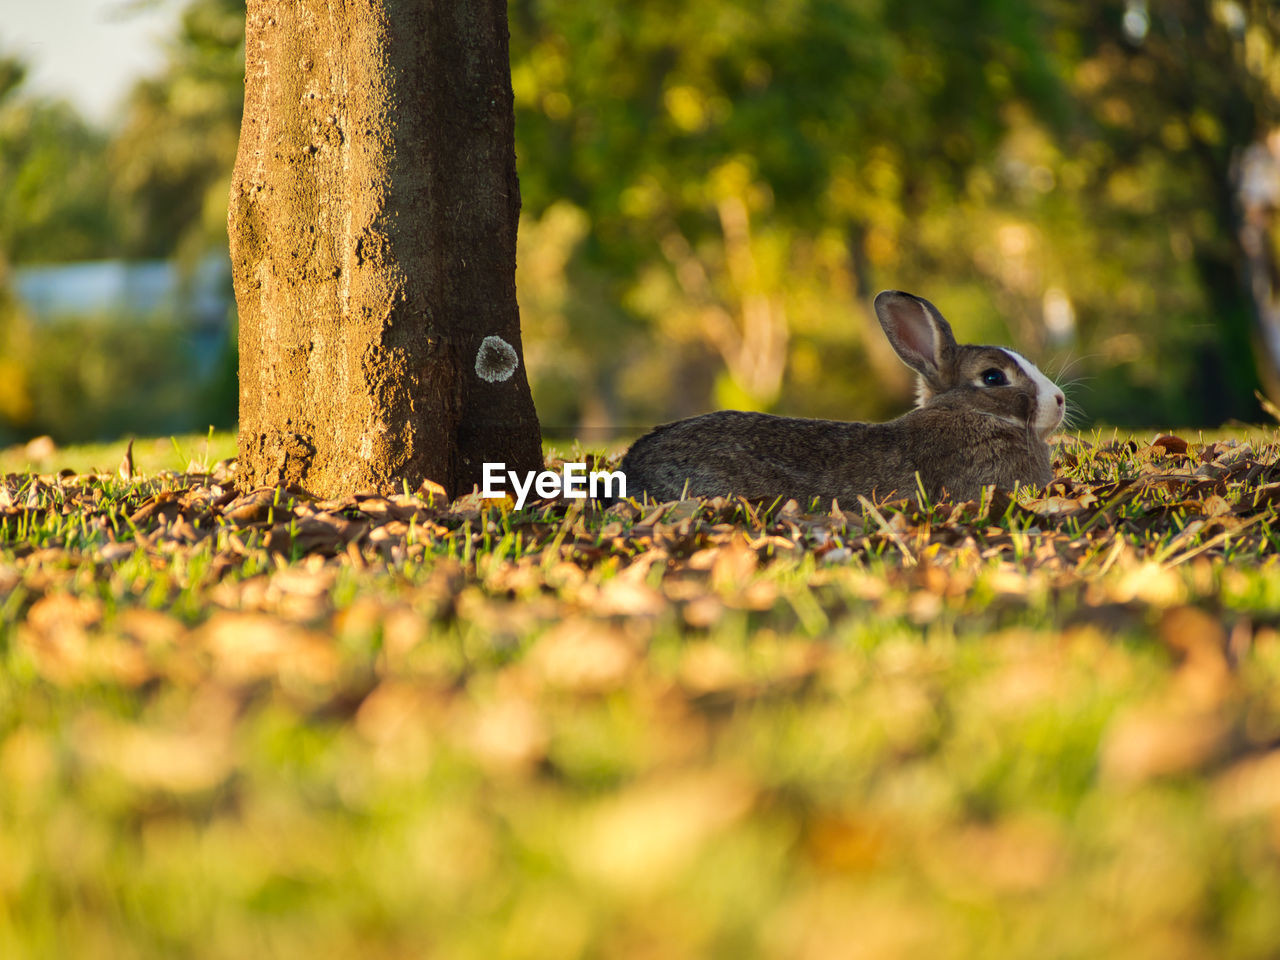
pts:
[507, 735]
[710, 668]
[1170, 444]
[627, 595]
[734, 565]
[126, 464]
[163, 507]
[583, 656]
[195, 757]
[57, 637]
[1199, 640]
[394, 710]
[432, 492]
[647, 834]
[1059, 506]
[253, 507]
[1161, 741]
[1018, 856]
[153, 629]
[249, 646]
[1249, 788]
[702, 611]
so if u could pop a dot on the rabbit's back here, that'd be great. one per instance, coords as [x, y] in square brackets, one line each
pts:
[762, 457]
[754, 455]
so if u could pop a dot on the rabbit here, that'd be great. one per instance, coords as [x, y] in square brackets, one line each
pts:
[982, 417]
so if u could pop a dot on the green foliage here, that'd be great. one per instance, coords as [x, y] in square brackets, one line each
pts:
[96, 377]
[736, 167]
[154, 187]
[53, 179]
[136, 373]
[171, 158]
[751, 176]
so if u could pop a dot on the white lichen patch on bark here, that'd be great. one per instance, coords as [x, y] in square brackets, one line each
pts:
[496, 360]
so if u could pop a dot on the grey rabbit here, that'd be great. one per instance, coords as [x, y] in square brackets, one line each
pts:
[982, 416]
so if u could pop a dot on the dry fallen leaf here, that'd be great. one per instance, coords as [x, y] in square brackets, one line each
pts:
[627, 595]
[507, 736]
[710, 668]
[195, 757]
[433, 492]
[253, 507]
[641, 838]
[1199, 640]
[1170, 444]
[126, 465]
[1160, 741]
[251, 646]
[733, 567]
[583, 656]
[1249, 788]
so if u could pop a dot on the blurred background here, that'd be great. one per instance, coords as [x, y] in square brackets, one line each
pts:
[713, 192]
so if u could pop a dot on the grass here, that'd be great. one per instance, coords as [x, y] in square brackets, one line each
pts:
[150, 455]
[264, 726]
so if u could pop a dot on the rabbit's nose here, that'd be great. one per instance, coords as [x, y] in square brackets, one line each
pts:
[1061, 399]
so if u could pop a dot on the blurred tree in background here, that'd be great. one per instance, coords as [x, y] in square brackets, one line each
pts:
[745, 175]
[171, 157]
[1166, 106]
[714, 190]
[54, 206]
[54, 180]
[155, 186]
[727, 188]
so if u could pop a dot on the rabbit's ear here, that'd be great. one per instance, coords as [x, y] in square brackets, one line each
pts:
[917, 331]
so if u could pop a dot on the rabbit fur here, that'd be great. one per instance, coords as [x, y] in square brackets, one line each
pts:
[982, 417]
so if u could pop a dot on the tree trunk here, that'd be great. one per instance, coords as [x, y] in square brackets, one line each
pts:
[1258, 190]
[372, 221]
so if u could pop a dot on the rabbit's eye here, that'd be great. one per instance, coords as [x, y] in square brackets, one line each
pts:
[994, 377]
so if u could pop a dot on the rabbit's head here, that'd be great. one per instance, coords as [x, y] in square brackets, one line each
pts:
[994, 381]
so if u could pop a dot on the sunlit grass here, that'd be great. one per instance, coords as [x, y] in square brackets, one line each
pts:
[235, 727]
[150, 455]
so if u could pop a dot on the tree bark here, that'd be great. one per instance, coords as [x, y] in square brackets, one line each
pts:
[372, 221]
[1258, 190]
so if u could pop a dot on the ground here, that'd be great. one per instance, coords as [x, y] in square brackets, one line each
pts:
[262, 725]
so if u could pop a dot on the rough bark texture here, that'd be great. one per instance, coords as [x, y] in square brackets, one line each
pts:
[1258, 189]
[373, 220]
